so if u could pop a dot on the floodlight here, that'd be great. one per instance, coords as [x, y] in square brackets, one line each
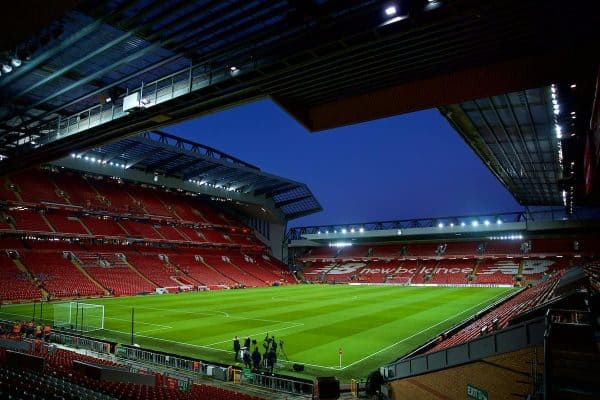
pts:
[344, 230]
[475, 223]
[6, 68]
[462, 224]
[15, 61]
[486, 222]
[499, 222]
[441, 225]
[361, 230]
[390, 11]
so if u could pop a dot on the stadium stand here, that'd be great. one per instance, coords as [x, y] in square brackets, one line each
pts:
[121, 281]
[60, 379]
[223, 264]
[151, 203]
[154, 269]
[53, 271]
[77, 190]
[14, 283]
[499, 316]
[140, 229]
[194, 266]
[34, 187]
[31, 221]
[103, 226]
[65, 223]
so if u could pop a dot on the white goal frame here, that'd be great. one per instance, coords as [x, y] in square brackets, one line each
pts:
[76, 316]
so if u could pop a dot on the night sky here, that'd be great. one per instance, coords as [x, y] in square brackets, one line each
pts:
[408, 166]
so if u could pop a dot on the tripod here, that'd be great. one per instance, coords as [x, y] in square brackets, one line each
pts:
[282, 350]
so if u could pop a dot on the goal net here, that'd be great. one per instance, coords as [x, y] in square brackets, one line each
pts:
[78, 316]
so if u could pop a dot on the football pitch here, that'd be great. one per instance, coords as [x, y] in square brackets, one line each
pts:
[372, 325]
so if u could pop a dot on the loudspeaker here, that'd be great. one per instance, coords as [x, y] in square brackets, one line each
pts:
[329, 388]
[298, 367]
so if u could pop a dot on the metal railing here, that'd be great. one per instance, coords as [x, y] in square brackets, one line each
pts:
[287, 385]
[81, 342]
[175, 85]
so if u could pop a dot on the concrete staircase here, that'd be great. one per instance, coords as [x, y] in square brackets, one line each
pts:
[31, 277]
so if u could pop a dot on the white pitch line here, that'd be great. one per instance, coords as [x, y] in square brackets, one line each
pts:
[225, 314]
[210, 312]
[418, 333]
[139, 322]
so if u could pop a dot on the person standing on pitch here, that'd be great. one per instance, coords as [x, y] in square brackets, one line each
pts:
[236, 347]
[271, 359]
[256, 359]
[247, 343]
[246, 357]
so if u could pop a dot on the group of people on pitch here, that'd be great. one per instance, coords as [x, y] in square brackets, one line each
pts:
[242, 353]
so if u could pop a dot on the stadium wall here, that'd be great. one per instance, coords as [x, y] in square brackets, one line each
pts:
[505, 376]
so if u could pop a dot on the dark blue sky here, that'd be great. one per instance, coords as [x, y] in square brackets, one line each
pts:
[407, 166]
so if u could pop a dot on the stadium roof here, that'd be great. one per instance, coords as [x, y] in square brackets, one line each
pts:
[516, 136]
[163, 155]
[183, 58]
[507, 225]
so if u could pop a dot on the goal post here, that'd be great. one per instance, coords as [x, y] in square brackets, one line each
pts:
[78, 316]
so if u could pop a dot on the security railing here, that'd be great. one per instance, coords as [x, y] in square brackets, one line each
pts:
[280, 384]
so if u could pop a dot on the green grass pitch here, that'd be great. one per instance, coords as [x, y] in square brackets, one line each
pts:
[372, 324]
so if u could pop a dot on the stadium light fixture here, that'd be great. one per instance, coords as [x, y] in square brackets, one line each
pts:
[340, 244]
[474, 223]
[391, 10]
[7, 68]
[233, 68]
[15, 61]
[462, 224]
[344, 231]
[499, 222]
[318, 232]
[486, 222]
[327, 232]
[399, 232]
[441, 225]
[451, 224]
[361, 230]
[352, 230]
[573, 86]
